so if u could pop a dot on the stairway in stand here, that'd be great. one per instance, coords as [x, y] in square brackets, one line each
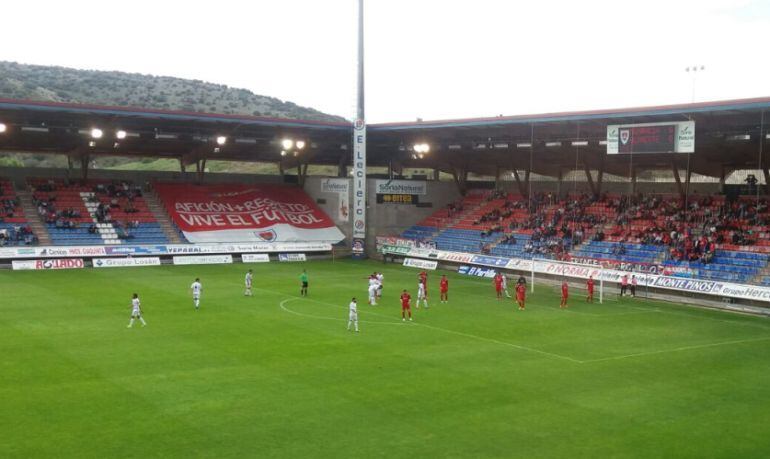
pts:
[160, 214]
[34, 220]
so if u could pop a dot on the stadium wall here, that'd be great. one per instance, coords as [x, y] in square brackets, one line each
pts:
[331, 202]
[384, 218]
[392, 219]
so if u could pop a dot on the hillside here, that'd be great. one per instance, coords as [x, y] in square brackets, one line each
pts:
[61, 84]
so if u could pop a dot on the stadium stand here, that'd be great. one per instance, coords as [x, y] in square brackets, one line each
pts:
[708, 237]
[14, 230]
[95, 212]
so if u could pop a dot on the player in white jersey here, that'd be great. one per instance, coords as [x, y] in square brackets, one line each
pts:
[373, 286]
[421, 295]
[353, 315]
[505, 286]
[248, 284]
[380, 277]
[136, 312]
[196, 288]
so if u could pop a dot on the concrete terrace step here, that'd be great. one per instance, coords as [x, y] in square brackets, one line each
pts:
[162, 217]
[34, 220]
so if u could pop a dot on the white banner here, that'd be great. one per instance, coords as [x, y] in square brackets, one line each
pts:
[359, 187]
[253, 247]
[66, 263]
[421, 264]
[292, 257]
[681, 284]
[203, 260]
[255, 258]
[340, 187]
[401, 187]
[125, 262]
[172, 249]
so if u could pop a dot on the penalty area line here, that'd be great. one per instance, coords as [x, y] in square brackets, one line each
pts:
[445, 330]
[503, 343]
[678, 349]
[282, 304]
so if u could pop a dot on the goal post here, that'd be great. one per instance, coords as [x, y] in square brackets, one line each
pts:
[553, 272]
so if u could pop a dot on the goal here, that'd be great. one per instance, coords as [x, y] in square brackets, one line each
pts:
[551, 273]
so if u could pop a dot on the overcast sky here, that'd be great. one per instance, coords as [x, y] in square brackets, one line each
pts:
[425, 58]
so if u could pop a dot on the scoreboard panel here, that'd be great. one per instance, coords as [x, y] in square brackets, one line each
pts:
[673, 137]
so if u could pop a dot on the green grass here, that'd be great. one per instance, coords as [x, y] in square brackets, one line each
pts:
[244, 377]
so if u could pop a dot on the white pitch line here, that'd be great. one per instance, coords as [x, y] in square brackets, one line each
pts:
[678, 349]
[283, 306]
[446, 330]
[504, 343]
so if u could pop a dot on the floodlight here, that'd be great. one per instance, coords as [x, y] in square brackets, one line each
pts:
[3, 128]
[96, 133]
[287, 144]
[300, 144]
[121, 134]
[221, 140]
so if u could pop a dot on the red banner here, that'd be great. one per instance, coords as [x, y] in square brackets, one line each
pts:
[241, 213]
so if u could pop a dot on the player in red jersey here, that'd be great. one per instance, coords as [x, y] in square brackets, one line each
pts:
[521, 295]
[564, 294]
[405, 307]
[590, 287]
[499, 286]
[444, 288]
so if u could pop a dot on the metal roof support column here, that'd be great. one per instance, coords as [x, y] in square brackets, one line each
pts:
[200, 168]
[767, 180]
[461, 177]
[182, 166]
[589, 178]
[497, 178]
[600, 176]
[436, 174]
[342, 167]
[560, 180]
[633, 180]
[522, 190]
[301, 174]
[84, 160]
[70, 166]
[678, 179]
[722, 177]
[526, 178]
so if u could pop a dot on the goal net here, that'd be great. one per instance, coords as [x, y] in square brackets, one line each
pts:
[551, 273]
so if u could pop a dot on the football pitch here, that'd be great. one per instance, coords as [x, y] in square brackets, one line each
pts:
[277, 375]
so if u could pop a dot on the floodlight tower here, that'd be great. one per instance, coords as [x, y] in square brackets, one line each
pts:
[359, 151]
